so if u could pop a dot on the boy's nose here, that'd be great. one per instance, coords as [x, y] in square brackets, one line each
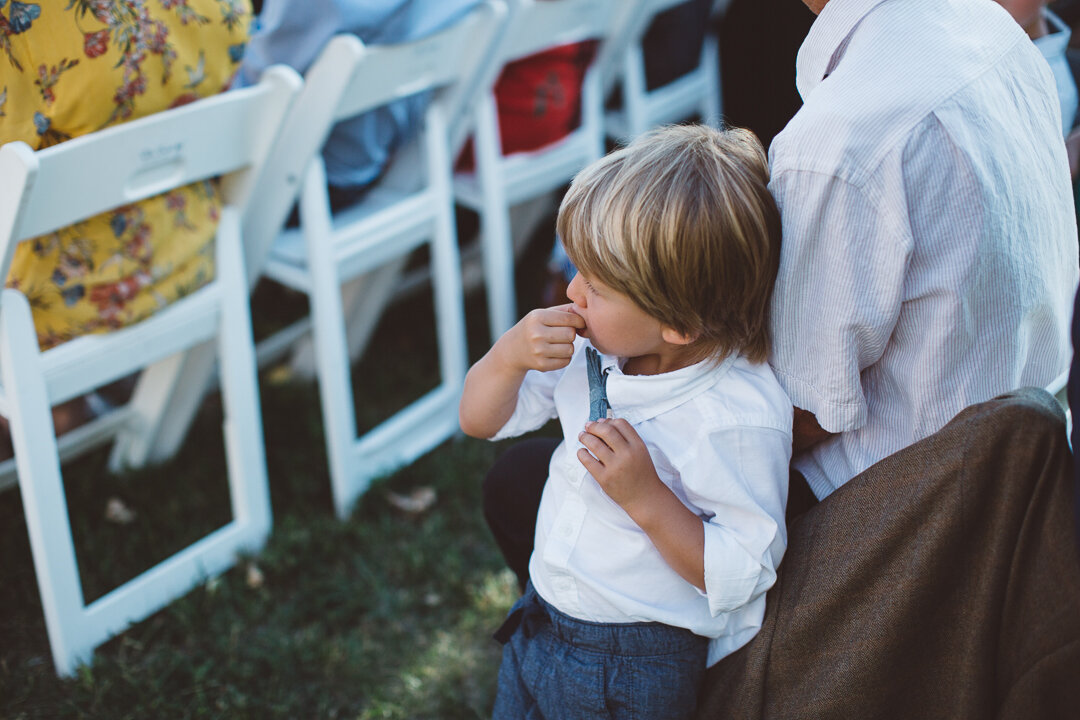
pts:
[574, 291]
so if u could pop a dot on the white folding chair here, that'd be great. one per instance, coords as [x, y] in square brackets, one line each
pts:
[501, 181]
[228, 135]
[411, 205]
[696, 93]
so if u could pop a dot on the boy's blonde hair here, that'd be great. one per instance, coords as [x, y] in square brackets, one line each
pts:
[681, 221]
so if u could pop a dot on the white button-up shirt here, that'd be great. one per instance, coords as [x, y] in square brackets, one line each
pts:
[720, 438]
[929, 254]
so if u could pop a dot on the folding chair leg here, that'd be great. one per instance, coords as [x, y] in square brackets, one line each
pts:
[331, 350]
[166, 399]
[449, 304]
[498, 257]
[363, 300]
[242, 423]
[446, 268]
[495, 234]
[635, 112]
[712, 110]
[41, 485]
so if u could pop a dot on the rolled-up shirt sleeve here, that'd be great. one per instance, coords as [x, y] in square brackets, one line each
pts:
[739, 477]
[535, 404]
[838, 293]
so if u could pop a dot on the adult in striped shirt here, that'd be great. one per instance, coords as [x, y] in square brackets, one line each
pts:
[929, 254]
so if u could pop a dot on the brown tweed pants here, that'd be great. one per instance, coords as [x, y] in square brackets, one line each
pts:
[941, 583]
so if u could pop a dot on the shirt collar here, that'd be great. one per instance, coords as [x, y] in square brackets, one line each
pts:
[824, 45]
[637, 398]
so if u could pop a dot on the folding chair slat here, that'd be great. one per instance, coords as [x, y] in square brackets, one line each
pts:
[551, 23]
[145, 157]
[392, 72]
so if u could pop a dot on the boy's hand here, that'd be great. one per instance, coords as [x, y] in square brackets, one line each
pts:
[615, 455]
[542, 340]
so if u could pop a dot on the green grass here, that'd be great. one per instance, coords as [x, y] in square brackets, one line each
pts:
[386, 615]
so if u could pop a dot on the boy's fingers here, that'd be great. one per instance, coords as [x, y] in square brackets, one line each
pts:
[563, 316]
[626, 430]
[562, 335]
[596, 445]
[560, 350]
[591, 464]
[610, 431]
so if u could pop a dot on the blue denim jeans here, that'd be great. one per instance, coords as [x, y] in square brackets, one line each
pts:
[555, 667]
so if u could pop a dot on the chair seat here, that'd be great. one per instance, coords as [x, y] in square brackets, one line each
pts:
[525, 175]
[388, 222]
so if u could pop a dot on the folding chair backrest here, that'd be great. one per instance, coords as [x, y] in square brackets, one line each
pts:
[337, 87]
[133, 161]
[542, 24]
[413, 67]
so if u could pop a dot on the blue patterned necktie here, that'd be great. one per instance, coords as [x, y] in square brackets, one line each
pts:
[598, 402]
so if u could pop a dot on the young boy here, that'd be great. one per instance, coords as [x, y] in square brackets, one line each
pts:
[661, 523]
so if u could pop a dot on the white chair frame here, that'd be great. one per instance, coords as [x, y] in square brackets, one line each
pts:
[501, 181]
[228, 135]
[371, 241]
[695, 93]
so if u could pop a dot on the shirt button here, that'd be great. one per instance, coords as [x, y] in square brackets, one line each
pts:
[566, 530]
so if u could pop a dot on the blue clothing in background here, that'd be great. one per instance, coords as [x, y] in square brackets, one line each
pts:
[1053, 47]
[294, 32]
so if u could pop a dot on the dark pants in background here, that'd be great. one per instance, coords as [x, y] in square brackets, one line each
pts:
[759, 40]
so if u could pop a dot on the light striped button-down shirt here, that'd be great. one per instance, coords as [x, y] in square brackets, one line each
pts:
[930, 254]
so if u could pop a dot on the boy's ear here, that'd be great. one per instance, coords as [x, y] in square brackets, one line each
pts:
[673, 336]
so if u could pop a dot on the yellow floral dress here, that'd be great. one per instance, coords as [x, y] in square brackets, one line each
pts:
[70, 67]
